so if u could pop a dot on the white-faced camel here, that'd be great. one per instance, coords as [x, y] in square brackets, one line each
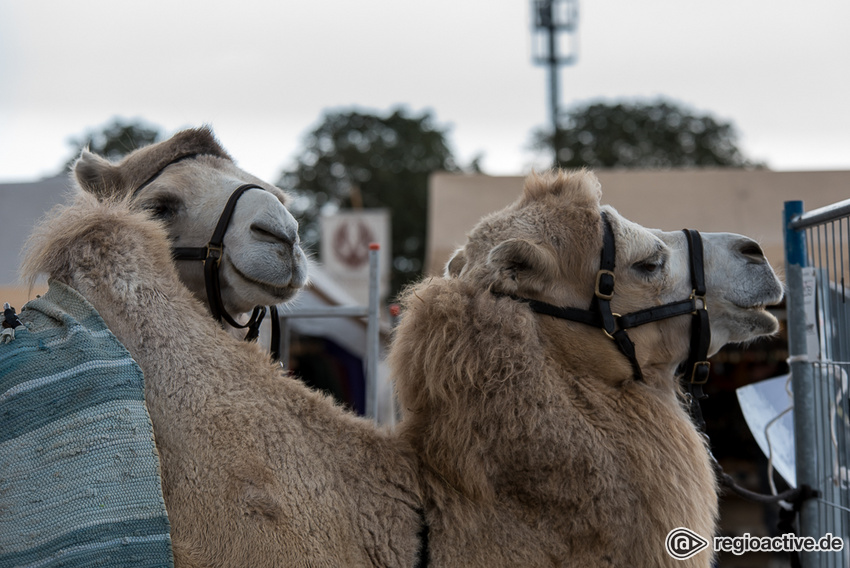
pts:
[527, 439]
[186, 182]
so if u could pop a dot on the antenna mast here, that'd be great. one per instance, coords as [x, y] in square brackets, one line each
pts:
[553, 43]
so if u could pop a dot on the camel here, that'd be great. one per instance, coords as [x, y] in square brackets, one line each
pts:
[185, 182]
[526, 440]
[257, 469]
[538, 446]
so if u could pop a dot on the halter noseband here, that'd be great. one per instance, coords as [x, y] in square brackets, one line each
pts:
[615, 325]
[211, 255]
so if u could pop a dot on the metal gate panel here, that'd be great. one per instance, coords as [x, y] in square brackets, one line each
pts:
[817, 260]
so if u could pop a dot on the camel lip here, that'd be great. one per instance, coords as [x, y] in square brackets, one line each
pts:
[752, 307]
[763, 304]
[283, 292]
[758, 306]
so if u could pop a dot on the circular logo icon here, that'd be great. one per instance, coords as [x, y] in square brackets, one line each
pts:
[351, 243]
[682, 543]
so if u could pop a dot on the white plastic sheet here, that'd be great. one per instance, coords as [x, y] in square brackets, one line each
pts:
[761, 404]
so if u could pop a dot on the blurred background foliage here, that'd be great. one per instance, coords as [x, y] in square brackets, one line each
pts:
[115, 139]
[357, 158]
[641, 135]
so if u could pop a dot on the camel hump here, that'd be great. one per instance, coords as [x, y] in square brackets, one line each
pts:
[104, 178]
[580, 187]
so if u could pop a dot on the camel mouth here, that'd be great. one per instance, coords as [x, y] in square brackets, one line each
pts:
[283, 293]
[762, 313]
[756, 306]
[755, 320]
[752, 307]
[768, 299]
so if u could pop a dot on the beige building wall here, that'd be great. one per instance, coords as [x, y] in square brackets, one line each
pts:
[17, 296]
[722, 200]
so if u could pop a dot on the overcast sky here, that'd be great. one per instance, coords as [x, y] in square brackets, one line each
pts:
[262, 72]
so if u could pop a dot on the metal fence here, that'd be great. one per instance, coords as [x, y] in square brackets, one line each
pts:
[817, 261]
[373, 326]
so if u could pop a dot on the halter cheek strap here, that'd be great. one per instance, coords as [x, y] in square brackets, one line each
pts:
[211, 255]
[603, 293]
[697, 365]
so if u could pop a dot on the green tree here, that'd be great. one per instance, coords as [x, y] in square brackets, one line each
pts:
[116, 139]
[658, 134]
[363, 159]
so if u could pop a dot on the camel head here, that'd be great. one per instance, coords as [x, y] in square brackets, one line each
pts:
[185, 182]
[547, 247]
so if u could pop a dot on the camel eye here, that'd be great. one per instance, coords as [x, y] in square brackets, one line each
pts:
[163, 208]
[649, 266]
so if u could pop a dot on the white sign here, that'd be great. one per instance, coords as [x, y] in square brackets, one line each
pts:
[346, 237]
[809, 297]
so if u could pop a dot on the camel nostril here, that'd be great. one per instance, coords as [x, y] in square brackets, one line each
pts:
[752, 250]
[274, 234]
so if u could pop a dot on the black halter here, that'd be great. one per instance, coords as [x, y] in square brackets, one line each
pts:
[695, 369]
[615, 325]
[211, 255]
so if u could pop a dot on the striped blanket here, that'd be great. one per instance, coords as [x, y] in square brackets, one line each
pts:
[79, 472]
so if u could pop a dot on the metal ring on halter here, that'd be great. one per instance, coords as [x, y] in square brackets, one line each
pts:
[605, 331]
[695, 297]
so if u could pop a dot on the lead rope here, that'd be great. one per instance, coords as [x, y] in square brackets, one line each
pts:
[10, 325]
[793, 498]
[424, 535]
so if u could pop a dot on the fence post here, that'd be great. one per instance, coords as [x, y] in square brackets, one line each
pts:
[373, 329]
[801, 373]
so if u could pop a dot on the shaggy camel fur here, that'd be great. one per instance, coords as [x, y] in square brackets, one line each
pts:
[525, 438]
[257, 469]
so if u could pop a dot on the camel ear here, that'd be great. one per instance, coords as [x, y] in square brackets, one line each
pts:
[455, 265]
[97, 175]
[522, 264]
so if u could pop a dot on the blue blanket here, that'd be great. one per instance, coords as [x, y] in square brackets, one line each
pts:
[79, 472]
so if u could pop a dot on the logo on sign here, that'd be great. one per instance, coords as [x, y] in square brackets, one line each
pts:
[351, 243]
[684, 543]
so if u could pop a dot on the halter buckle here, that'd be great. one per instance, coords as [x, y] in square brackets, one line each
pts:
[698, 298]
[214, 252]
[699, 374]
[609, 285]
